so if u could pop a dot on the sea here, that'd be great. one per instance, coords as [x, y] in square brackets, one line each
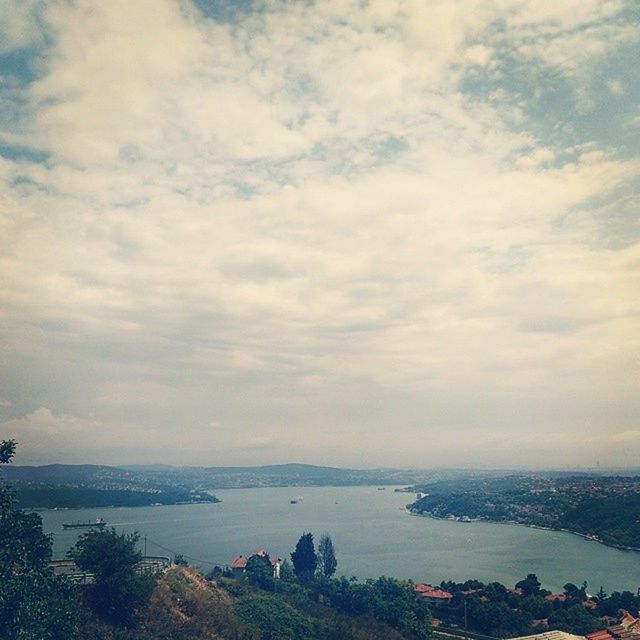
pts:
[372, 532]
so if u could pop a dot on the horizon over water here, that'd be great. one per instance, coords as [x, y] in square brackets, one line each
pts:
[372, 533]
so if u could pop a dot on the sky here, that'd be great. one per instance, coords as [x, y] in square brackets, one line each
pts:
[356, 233]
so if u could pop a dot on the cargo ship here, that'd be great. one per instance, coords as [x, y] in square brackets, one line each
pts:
[99, 524]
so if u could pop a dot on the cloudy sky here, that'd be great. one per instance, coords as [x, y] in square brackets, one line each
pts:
[349, 232]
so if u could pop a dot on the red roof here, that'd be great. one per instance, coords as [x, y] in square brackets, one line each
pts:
[239, 563]
[556, 597]
[428, 591]
[601, 634]
[628, 620]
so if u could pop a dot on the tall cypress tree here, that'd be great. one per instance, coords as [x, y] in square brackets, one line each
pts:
[304, 557]
[327, 556]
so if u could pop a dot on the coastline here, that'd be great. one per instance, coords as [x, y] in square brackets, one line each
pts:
[115, 506]
[591, 538]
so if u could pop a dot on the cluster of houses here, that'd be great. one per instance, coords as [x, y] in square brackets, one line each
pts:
[626, 628]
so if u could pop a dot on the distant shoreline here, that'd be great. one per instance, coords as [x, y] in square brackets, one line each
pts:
[591, 538]
[115, 506]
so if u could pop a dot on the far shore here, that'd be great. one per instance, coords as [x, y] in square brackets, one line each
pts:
[591, 538]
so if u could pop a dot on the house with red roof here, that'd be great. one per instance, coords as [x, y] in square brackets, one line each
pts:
[433, 594]
[629, 622]
[556, 597]
[239, 564]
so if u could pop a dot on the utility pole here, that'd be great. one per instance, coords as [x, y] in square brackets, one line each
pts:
[145, 546]
[465, 619]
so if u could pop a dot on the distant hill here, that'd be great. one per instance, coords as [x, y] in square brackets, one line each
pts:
[35, 483]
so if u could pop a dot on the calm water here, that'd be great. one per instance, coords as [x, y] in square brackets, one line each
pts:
[372, 533]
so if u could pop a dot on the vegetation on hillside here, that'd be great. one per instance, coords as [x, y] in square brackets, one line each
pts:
[43, 496]
[606, 508]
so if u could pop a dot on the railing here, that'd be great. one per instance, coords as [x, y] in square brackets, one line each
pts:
[149, 565]
[461, 633]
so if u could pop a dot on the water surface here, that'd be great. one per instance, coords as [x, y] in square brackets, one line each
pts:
[372, 533]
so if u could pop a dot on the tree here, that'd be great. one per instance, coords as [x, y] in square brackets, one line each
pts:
[34, 604]
[259, 570]
[327, 562]
[536, 607]
[276, 619]
[574, 593]
[304, 557]
[180, 560]
[530, 586]
[119, 591]
[576, 619]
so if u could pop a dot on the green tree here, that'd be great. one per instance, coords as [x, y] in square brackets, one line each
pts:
[34, 604]
[304, 557]
[260, 571]
[180, 560]
[530, 586]
[536, 607]
[276, 619]
[119, 592]
[327, 562]
[576, 619]
[579, 594]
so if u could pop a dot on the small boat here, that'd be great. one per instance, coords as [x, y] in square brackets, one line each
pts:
[99, 524]
[298, 500]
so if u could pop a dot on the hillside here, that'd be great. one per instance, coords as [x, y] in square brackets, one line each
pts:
[186, 606]
[74, 486]
[605, 508]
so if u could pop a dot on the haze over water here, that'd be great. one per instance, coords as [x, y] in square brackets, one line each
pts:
[372, 533]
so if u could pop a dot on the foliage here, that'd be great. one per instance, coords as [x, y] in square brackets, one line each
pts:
[43, 495]
[184, 606]
[304, 557]
[612, 519]
[118, 592]
[34, 604]
[327, 562]
[576, 619]
[604, 507]
[391, 601]
[530, 586]
[620, 600]
[496, 618]
[276, 619]
[287, 574]
[259, 571]
[536, 607]
[180, 560]
[577, 594]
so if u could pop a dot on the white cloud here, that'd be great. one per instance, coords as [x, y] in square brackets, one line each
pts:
[19, 27]
[41, 424]
[301, 222]
[615, 87]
